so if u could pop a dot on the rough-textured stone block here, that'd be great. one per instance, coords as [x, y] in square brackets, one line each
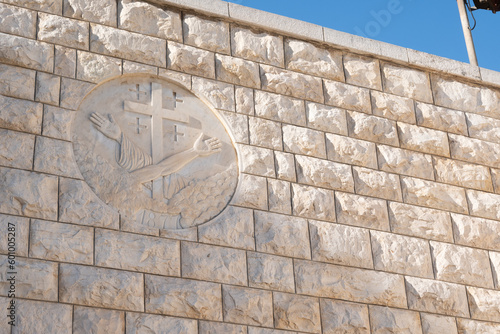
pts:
[331, 281]
[304, 141]
[16, 149]
[285, 166]
[463, 174]
[63, 31]
[484, 304]
[438, 324]
[188, 234]
[244, 100]
[351, 151]
[372, 128]
[297, 313]
[420, 222]
[466, 326]
[65, 61]
[17, 82]
[238, 126]
[20, 115]
[395, 160]
[461, 264]
[57, 122]
[406, 82]
[96, 68]
[472, 150]
[311, 202]
[282, 235]
[251, 192]
[133, 67]
[61, 242]
[432, 296]
[185, 298]
[270, 272]
[117, 289]
[362, 71]
[138, 323]
[388, 320]
[21, 226]
[342, 317]
[434, 195]
[55, 157]
[218, 264]
[285, 82]
[393, 107]
[279, 194]
[220, 94]
[262, 48]
[180, 78]
[47, 88]
[484, 128]
[28, 194]
[309, 59]
[94, 11]
[265, 133]
[237, 71]
[324, 173]
[40, 317]
[362, 211]
[424, 140]
[377, 184]
[443, 119]
[483, 204]
[206, 327]
[495, 267]
[279, 108]
[206, 34]
[29, 53]
[260, 330]
[54, 6]
[128, 45]
[340, 244]
[73, 92]
[259, 161]
[247, 306]
[188, 59]
[345, 96]
[17, 21]
[326, 118]
[98, 321]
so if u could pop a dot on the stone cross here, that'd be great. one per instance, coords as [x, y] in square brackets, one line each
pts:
[176, 133]
[138, 124]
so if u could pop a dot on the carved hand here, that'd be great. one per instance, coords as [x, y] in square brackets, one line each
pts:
[207, 147]
[107, 126]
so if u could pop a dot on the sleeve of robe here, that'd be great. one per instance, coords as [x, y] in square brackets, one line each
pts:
[131, 157]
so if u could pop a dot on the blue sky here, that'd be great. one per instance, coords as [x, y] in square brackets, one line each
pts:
[431, 26]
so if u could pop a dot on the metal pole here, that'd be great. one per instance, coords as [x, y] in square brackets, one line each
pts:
[467, 33]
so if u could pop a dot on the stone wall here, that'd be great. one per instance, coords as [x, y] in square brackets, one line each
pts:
[368, 198]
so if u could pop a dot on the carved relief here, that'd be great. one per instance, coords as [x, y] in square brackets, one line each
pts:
[155, 152]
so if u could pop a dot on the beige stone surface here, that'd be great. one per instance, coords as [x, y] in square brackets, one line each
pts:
[476, 232]
[285, 166]
[437, 324]
[279, 193]
[16, 149]
[362, 71]
[466, 326]
[206, 34]
[20, 115]
[259, 47]
[51, 6]
[133, 67]
[21, 226]
[138, 323]
[372, 128]
[296, 313]
[471, 150]
[324, 173]
[73, 92]
[389, 320]
[393, 107]
[237, 71]
[484, 128]
[377, 184]
[37, 317]
[440, 118]
[315, 203]
[188, 59]
[206, 327]
[57, 122]
[29, 53]
[260, 330]
[463, 174]
[258, 161]
[65, 61]
[17, 21]
[279, 108]
[98, 321]
[184, 298]
[47, 88]
[17, 82]
[96, 68]
[405, 162]
[406, 82]
[342, 317]
[484, 204]
[55, 157]
[351, 151]
[244, 98]
[63, 31]
[340, 95]
[247, 306]
[265, 133]
[495, 267]
[251, 192]
[219, 94]
[188, 234]
[326, 118]
[304, 141]
[180, 78]
[270, 272]
[238, 125]
[484, 304]
[94, 11]
[423, 140]
[362, 211]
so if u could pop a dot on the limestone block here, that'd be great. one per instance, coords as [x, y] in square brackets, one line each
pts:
[189, 234]
[461, 264]
[339, 282]
[433, 195]
[296, 313]
[233, 228]
[279, 193]
[362, 71]
[495, 266]
[55, 157]
[483, 204]
[103, 12]
[484, 304]
[345, 96]
[396, 160]
[326, 118]
[377, 184]
[238, 125]
[262, 48]
[251, 192]
[463, 174]
[4, 303]
[16, 149]
[362, 211]
[65, 61]
[389, 320]
[73, 92]
[432, 296]
[51, 6]
[279, 108]
[57, 122]
[63, 31]
[259, 161]
[216, 327]
[406, 82]
[307, 58]
[61, 242]
[248, 306]
[237, 71]
[437, 324]
[340, 244]
[28, 194]
[182, 79]
[150, 20]
[138, 323]
[351, 151]
[304, 141]
[217, 264]
[343, 317]
[282, 235]
[324, 173]
[206, 34]
[17, 21]
[20, 115]
[285, 166]
[424, 140]
[101, 287]
[420, 222]
[17, 82]
[244, 100]
[133, 67]
[484, 128]
[285, 82]
[372, 128]
[29, 53]
[33, 279]
[393, 107]
[127, 45]
[21, 226]
[472, 150]
[402, 255]
[185, 298]
[270, 272]
[188, 59]
[47, 88]
[265, 133]
[137, 253]
[79, 205]
[219, 94]
[260, 330]
[466, 326]
[98, 321]
[96, 68]
[40, 317]
[311, 202]
[439, 118]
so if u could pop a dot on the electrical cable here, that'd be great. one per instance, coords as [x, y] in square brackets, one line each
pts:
[469, 7]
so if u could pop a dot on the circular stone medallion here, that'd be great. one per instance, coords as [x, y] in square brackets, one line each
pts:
[155, 152]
